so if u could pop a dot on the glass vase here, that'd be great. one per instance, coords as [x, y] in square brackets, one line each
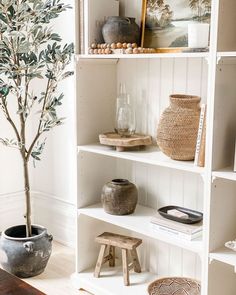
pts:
[125, 119]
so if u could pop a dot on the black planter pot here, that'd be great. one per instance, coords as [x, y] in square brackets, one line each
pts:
[25, 257]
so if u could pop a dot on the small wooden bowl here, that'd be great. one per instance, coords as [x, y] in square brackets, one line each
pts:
[175, 285]
[123, 143]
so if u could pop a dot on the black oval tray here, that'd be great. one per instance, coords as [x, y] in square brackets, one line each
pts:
[194, 216]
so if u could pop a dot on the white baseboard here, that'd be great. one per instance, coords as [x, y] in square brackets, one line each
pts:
[57, 215]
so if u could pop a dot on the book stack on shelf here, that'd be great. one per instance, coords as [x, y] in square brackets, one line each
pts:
[183, 231]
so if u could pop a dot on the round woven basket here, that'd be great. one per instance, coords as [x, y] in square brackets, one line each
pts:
[178, 127]
[174, 286]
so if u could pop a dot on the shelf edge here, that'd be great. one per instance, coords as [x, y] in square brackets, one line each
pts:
[193, 169]
[80, 57]
[194, 248]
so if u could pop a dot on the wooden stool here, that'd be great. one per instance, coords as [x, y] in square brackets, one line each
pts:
[126, 244]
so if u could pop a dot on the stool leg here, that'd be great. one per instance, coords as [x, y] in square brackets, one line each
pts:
[100, 261]
[134, 255]
[112, 253]
[125, 266]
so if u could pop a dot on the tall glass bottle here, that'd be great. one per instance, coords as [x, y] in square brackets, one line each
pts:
[121, 98]
[125, 118]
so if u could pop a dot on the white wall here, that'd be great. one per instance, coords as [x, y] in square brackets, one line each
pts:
[11, 179]
[53, 180]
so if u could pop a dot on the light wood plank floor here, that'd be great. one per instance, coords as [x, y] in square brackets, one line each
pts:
[56, 278]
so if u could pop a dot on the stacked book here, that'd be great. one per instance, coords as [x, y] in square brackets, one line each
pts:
[184, 231]
[199, 159]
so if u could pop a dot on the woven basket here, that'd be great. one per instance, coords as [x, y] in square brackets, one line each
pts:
[174, 286]
[178, 127]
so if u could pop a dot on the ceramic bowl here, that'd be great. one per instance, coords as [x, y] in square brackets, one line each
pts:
[174, 286]
[231, 245]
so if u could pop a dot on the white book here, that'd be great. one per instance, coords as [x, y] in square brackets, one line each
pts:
[187, 229]
[163, 229]
[96, 13]
[199, 135]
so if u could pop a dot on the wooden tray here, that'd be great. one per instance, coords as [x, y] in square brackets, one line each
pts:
[123, 143]
[170, 50]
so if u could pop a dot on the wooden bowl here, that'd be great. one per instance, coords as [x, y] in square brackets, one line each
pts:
[174, 286]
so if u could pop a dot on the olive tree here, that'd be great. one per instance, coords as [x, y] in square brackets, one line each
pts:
[29, 51]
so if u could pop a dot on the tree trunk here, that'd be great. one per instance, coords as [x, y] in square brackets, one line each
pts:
[27, 197]
[199, 11]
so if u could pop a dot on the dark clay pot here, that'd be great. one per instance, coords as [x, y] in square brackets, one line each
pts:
[121, 29]
[119, 197]
[25, 257]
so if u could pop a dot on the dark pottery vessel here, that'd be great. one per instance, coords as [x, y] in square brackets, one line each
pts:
[25, 257]
[119, 197]
[121, 29]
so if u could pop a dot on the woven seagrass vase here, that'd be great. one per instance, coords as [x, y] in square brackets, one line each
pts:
[178, 127]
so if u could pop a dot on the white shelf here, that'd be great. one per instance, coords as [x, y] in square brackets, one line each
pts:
[111, 282]
[143, 56]
[226, 173]
[140, 222]
[224, 255]
[226, 54]
[150, 155]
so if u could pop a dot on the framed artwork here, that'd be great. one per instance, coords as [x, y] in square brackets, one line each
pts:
[165, 22]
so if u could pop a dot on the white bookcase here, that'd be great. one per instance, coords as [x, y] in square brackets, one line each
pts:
[150, 79]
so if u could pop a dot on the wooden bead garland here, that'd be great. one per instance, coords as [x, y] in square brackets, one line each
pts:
[128, 48]
[103, 48]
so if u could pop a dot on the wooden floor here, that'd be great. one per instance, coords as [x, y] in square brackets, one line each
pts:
[56, 278]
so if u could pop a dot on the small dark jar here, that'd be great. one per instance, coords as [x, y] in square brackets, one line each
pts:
[119, 197]
[121, 29]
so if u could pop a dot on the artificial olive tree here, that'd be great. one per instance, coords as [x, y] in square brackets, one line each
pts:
[29, 51]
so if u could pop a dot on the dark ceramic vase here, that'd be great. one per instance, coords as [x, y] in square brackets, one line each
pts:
[25, 257]
[119, 197]
[121, 29]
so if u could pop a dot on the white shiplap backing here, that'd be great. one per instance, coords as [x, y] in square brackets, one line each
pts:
[150, 82]
[131, 8]
[160, 187]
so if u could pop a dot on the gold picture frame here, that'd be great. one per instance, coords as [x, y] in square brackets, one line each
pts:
[164, 22]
